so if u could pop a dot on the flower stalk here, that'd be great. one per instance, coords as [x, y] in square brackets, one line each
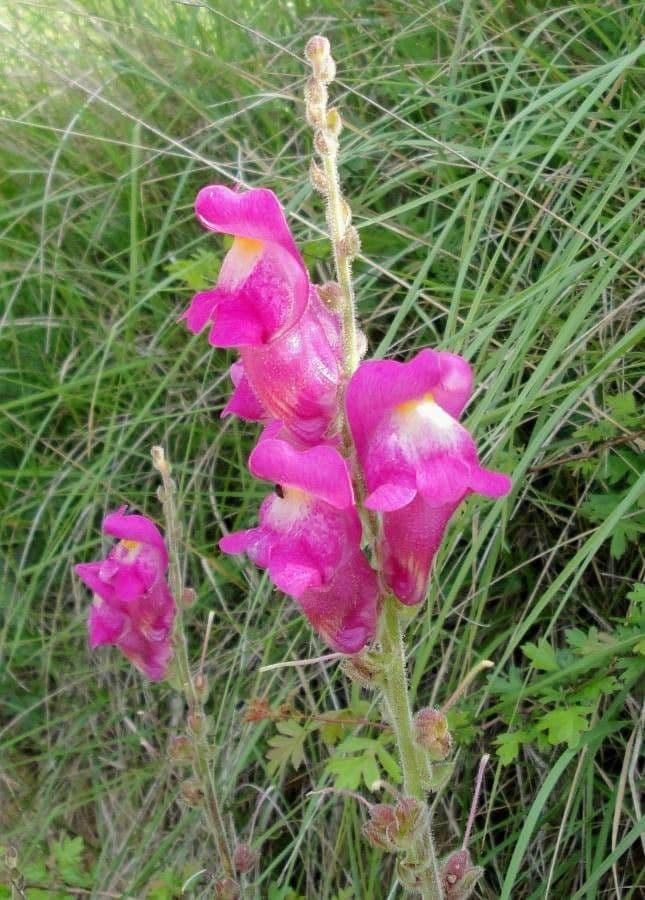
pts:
[327, 124]
[415, 764]
[196, 721]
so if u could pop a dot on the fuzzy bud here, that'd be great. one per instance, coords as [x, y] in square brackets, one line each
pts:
[327, 70]
[334, 121]
[317, 50]
[318, 178]
[459, 876]
[200, 683]
[244, 858]
[258, 710]
[347, 211]
[396, 828]
[325, 143]
[196, 723]
[180, 749]
[432, 733]
[227, 889]
[350, 245]
[315, 93]
[191, 793]
[361, 668]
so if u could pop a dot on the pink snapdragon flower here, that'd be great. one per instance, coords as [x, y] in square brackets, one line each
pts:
[308, 538]
[133, 607]
[419, 463]
[264, 305]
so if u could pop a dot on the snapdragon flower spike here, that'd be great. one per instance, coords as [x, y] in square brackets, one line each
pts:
[133, 607]
[419, 463]
[264, 305]
[308, 538]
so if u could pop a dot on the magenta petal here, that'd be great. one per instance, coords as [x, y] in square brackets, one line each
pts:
[443, 479]
[263, 285]
[320, 471]
[201, 310]
[133, 607]
[455, 384]
[390, 496]
[236, 542]
[90, 574]
[105, 624]
[297, 376]
[290, 575]
[489, 483]
[136, 528]
[254, 214]
[410, 540]
[243, 402]
[345, 611]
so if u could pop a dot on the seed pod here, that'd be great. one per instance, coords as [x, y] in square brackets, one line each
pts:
[350, 245]
[180, 749]
[325, 143]
[244, 858]
[227, 889]
[191, 793]
[432, 733]
[315, 93]
[318, 178]
[459, 876]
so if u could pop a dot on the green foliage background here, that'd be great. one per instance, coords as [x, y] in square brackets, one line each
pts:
[493, 155]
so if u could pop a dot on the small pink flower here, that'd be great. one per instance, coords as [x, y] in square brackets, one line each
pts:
[419, 463]
[308, 539]
[264, 305]
[133, 607]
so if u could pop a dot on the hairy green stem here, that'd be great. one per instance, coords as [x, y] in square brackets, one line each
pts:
[196, 722]
[416, 768]
[334, 209]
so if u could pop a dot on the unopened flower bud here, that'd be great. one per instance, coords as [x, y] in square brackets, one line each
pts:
[396, 828]
[318, 178]
[363, 669]
[334, 121]
[191, 793]
[227, 889]
[200, 683]
[327, 70]
[244, 858]
[257, 710]
[315, 93]
[459, 876]
[332, 296]
[324, 143]
[188, 597]
[347, 211]
[432, 733]
[351, 243]
[180, 748]
[196, 723]
[317, 49]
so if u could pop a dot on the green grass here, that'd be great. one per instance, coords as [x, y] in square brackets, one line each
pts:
[493, 157]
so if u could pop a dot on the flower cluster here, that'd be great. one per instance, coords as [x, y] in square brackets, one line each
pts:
[133, 607]
[417, 462]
